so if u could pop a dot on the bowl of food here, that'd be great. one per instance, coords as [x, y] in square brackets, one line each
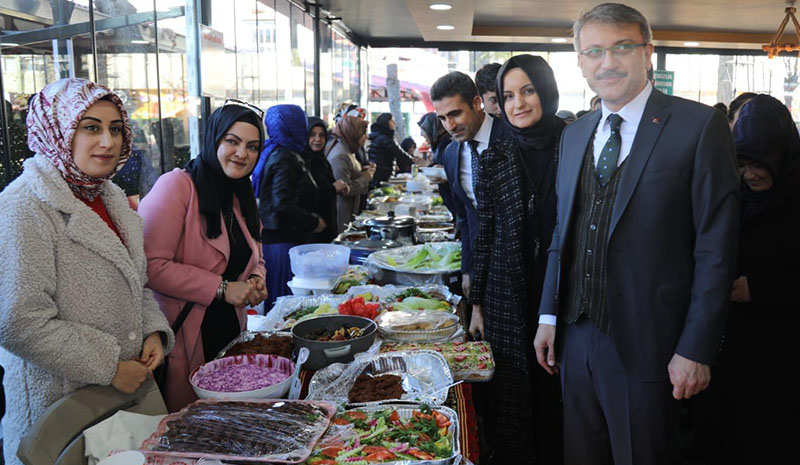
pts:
[246, 376]
[417, 325]
[333, 338]
[319, 261]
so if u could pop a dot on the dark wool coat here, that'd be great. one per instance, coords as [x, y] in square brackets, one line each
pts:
[508, 276]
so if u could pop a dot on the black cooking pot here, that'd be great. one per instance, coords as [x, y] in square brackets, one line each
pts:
[322, 354]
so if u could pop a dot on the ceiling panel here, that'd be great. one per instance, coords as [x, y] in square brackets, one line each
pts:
[715, 23]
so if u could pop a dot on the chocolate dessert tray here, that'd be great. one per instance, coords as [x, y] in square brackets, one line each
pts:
[424, 376]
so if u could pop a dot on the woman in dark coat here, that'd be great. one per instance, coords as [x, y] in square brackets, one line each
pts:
[328, 186]
[756, 374]
[384, 151]
[516, 215]
[287, 195]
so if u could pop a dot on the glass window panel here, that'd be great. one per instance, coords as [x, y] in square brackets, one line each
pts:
[247, 48]
[33, 60]
[284, 50]
[266, 38]
[300, 43]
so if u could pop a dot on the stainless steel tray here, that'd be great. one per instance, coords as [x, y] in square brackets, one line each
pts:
[425, 374]
[405, 411]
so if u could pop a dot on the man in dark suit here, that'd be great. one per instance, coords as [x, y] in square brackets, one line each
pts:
[642, 259]
[458, 106]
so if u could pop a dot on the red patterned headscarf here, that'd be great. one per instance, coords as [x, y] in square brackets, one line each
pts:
[53, 117]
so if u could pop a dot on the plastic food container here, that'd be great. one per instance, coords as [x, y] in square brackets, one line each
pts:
[274, 362]
[319, 261]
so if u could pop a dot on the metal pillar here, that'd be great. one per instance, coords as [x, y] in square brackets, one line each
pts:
[317, 73]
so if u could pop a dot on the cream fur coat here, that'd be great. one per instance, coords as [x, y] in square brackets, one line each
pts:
[72, 297]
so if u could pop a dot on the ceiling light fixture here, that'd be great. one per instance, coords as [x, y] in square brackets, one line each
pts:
[140, 41]
[559, 40]
[440, 6]
[691, 44]
[445, 27]
[9, 44]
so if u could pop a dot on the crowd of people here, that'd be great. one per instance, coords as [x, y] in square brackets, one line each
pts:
[628, 249]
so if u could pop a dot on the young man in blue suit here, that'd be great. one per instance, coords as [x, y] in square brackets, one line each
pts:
[458, 106]
[642, 259]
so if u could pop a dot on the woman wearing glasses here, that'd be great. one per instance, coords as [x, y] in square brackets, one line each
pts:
[202, 240]
[73, 307]
[516, 216]
[287, 193]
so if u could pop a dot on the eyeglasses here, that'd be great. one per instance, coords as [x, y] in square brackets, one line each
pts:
[620, 50]
[242, 103]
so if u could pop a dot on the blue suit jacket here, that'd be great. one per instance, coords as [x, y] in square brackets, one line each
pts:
[465, 210]
[673, 235]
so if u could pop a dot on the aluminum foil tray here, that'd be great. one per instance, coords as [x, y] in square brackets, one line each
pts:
[379, 259]
[405, 411]
[425, 374]
[247, 336]
[275, 320]
[386, 320]
[385, 293]
[284, 431]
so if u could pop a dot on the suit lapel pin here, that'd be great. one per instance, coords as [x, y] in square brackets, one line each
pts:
[656, 120]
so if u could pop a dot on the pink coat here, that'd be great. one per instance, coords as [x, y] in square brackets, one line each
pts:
[185, 265]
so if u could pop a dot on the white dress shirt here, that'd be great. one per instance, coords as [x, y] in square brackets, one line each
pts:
[465, 169]
[631, 115]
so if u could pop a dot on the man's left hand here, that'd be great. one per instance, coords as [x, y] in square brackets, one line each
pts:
[688, 378]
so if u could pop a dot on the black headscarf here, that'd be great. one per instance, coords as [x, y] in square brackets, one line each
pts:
[432, 127]
[537, 142]
[407, 143]
[381, 125]
[765, 133]
[542, 134]
[312, 122]
[215, 190]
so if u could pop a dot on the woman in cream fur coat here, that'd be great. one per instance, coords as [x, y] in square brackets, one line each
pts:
[73, 307]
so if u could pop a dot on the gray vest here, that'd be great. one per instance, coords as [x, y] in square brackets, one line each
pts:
[584, 292]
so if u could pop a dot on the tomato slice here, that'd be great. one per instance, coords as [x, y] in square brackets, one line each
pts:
[356, 415]
[394, 416]
[374, 449]
[441, 420]
[385, 455]
[341, 421]
[419, 454]
[323, 462]
[424, 437]
[331, 452]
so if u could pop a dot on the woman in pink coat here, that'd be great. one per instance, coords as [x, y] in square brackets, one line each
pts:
[202, 241]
